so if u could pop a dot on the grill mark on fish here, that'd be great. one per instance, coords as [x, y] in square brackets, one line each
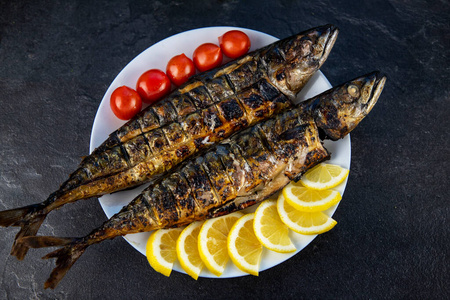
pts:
[308, 152]
[231, 109]
[237, 167]
[149, 120]
[183, 106]
[179, 190]
[113, 170]
[201, 186]
[200, 97]
[220, 184]
[165, 112]
[218, 89]
[129, 130]
[228, 109]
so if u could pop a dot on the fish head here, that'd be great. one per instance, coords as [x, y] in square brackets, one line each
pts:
[306, 55]
[339, 110]
[291, 62]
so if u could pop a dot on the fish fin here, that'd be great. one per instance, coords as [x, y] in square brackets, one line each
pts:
[65, 257]
[44, 241]
[15, 217]
[29, 218]
[29, 228]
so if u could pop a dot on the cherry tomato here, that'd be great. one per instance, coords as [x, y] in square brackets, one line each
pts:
[125, 102]
[153, 85]
[234, 43]
[179, 69]
[207, 56]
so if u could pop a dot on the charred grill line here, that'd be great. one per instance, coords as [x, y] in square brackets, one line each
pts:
[242, 115]
[149, 120]
[175, 207]
[264, 140]
[209, 169]
[238, 151]
[147, 142]
[294, 148]
[226, 171]
[200, 178]
[164, 111]
[125, 154]
[183, 105]
[230, 83]
[153, 142]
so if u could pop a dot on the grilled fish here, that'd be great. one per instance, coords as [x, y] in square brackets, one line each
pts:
[241, 171]
[207, 109]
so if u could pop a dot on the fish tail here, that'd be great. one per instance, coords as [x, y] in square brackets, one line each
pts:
[29, 218]
[65, 257]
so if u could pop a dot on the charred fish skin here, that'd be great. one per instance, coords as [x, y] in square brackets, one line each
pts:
[256, 162]
[287, 64]
[272, 153]
[207, 109]
[241, 171]
[338, 111]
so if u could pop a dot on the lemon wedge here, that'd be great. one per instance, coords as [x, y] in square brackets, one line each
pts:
[212, 242]
[324, 176]
[309, 200]
[161, 249]
[243, 247]
[187, 250]
[303, 222]
[271, 232]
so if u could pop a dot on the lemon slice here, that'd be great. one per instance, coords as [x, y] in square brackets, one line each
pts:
[303, 222]
[212, 242]
[243, 247]
[187, 250]
[309, 200]
[271, 232]
[161, 249]
[324, 176]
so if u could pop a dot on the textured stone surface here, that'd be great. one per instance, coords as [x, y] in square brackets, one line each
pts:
[392, 238]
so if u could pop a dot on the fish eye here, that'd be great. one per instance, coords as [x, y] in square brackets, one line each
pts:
[353, 90]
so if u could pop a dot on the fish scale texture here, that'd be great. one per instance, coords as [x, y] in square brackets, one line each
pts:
[58, 58]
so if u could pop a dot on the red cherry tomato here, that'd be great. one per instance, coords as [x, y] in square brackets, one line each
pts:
[125, 102]
[207, 56]
[179, 69]
[234, 43]
[153, 85]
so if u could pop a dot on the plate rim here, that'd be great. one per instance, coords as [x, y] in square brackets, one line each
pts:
[113, 84]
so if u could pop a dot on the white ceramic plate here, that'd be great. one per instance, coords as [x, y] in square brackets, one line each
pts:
[157, 56]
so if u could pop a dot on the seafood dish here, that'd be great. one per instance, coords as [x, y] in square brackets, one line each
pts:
[207, 109]
[238, 172]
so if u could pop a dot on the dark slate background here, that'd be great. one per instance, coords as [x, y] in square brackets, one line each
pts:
[57, 58]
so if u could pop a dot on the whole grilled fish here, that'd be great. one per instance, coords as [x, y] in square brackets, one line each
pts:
[240, 171]
[207, 109]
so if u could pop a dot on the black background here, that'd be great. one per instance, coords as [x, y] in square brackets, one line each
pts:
[57, 58]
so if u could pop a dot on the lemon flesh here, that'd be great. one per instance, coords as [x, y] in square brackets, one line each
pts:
[187, 250]
[309, 200]
[243, 247]
[271, 232]
[161, 249]
[212, 242]
[303, 222]
[324, 176]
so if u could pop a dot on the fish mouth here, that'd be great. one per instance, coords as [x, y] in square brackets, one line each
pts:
[330, 40]
[377, 88]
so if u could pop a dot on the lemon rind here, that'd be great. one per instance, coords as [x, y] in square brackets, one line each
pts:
[239, 261]
[262, 239]
[189, 268]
